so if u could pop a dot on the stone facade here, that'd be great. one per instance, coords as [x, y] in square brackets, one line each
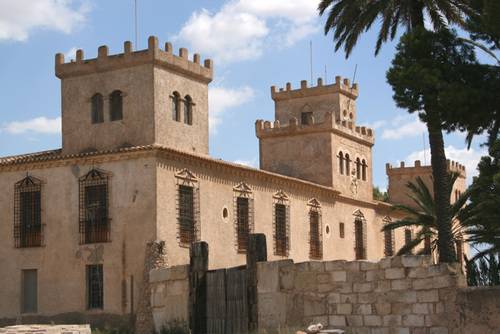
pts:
[146, 155]
[46, 329]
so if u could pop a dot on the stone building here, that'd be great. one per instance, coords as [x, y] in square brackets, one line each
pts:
[134, 168]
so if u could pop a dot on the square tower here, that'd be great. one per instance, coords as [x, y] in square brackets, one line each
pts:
[314, 138]
[136, 98]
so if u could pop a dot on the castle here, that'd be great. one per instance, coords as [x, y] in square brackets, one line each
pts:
[134, 167]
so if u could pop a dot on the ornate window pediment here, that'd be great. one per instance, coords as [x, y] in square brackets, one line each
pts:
[186, 177]
[280, 195]
[314, 203]
[358, 214]
[243, 188]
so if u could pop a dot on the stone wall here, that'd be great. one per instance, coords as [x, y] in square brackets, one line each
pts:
[170, 295]
[396, 295]
[46, 329]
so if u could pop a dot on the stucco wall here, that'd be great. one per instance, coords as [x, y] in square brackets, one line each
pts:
[61, 261]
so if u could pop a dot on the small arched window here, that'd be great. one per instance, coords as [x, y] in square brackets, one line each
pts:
[363, 169]
[341, 163]
[176, 105]
[347, 165]
[96, 112]
[188, 110]
[358, 168]
[116, 106]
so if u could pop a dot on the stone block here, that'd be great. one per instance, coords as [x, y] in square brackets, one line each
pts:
[385, 263]
[317, 266]
[400, 284]
[158, 275]
[350, 298]
[419, 330]
[402, 296]
[402, 330]
[287, 278]
[411, 261]
[362, 287]
[422, 308]
[352, 265]
[401, 308]
[333, 298]
[314, 306]
[344, 308]
[366, 265]
[335, 265]
[372, 320]
[413, 320]
[420, 272]
[396, 262]
[382, 308]
[439, 330]
[176, 288]
[272, 310]
[338, 276]
[428, 296]
[302, 266]
[269, 275]
[365, 309]
[324, 288]
[354, 320]
[342, 287]
[337, 321]
[305, 281]
[423, 283]
[392, 320]
[323, 278]
[374, 275]
[178, 273]
[383, 286]
[447, 281]
[394, 273]
[367, 298]
[356, 276]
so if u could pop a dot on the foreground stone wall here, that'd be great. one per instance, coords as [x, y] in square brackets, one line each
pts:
[396, 295]
[170, 295]
[46, 329]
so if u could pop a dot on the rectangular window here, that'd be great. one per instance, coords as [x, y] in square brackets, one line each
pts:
[359, 240]
[342, 230]
[306, 118]
[242, 208]
[29, 293]
[408, 239]
[96, 213]
[186, 215]
[315, 247]
[95, 286]
[389, 243]
[30, 214]
[281, 235]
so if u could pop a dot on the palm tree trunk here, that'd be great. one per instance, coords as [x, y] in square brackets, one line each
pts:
[441, 185]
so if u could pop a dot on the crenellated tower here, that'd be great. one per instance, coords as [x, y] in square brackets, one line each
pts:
[315, 137]
[134, 98]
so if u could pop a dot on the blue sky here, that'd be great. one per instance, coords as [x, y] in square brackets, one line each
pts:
[254, 43]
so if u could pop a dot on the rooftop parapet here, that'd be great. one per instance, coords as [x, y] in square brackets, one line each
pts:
[270, 129]
[340, 86]
[153, 54]
[417, 167]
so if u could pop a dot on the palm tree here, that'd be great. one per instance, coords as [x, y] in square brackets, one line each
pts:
[424, 217]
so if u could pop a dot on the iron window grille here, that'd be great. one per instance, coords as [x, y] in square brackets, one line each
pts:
[315, 231]
[359, 235]
[388, 239]
[281, 226]
[95, 224]
[342, 230]
[188, 229]
[28, 227]
[408, 238]
[95, 286]
[243, 218]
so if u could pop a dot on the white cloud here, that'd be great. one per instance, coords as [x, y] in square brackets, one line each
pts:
[241, 29]
[468, 158]
[402, 128]
[249, 163]
[18, 18]
[220, 99]
[41, 125]
[70, 54]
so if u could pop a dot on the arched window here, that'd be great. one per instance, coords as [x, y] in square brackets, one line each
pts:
[281, 228]
[347, 165]
[27, 213]
[363, 169]
[358, 168]
[341, 163]
[359, 235]
[96, 112]
[116, 106]
[188, 110]
[176, 106]
[315, 230]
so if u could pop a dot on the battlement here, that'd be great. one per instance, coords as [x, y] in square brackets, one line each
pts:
[153, 54]
[342, 86]
[419, 169]
[265, 129]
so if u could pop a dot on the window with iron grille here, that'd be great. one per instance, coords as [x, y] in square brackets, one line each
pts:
[315, 238]
[388, 239]
[116, 106]
[342, 230]
[28, 228]
[95, 286]
[242, 225]
[186, 214]
[408, 238]
[280, 227]
[94, 200]
[359, 239]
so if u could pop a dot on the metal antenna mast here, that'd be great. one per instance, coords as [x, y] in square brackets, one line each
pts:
[311, 59]
[135, 21]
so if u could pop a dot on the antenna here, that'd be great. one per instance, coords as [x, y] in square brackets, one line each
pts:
[311, 59]
[352, 85]
[135, 22]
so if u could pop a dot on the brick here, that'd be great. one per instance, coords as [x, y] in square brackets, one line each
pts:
[392, 320]
[411, 261]
[394, 273]
[344, 308]
[338, 276]
[362, 287]
[372, 320]
[363, 309]
[335, 265]
[413, 320]
[354, 320]
[337, 320]
[422, 308]
[400, 284]
[429, 296]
